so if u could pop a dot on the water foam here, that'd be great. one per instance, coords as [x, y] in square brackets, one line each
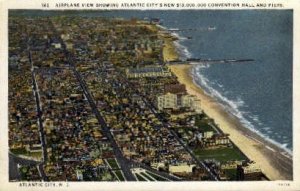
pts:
[184, 53]
[232, 106]
[162, 27]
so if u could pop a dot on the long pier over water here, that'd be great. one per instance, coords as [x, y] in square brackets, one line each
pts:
[195, 61]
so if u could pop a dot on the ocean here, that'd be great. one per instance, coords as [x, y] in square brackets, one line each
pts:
[258, 93]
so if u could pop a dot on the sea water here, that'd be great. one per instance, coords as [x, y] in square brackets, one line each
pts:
[259, 93]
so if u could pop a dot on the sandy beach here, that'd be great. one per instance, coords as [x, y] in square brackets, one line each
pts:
[274, 161]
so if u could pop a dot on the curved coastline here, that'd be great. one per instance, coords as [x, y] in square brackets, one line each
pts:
[234, 110]
[275, 162]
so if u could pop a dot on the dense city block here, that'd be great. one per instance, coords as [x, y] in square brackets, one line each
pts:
[94, 99]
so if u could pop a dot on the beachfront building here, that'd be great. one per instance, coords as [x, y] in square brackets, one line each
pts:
[231, 164]
[216, 141]
[250, 171]
[148, 71]
[167, 101]
[190, 101]
[177, 101]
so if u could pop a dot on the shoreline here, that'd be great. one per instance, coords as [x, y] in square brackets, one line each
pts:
[274, 164]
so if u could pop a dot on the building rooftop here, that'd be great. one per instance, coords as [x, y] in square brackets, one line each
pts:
[146, 69]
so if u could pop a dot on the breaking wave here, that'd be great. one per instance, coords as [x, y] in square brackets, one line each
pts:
[233, 106]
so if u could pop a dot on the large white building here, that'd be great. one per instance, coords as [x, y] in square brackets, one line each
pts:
[167, 101]
[190, 101]
[181, 168]
[174, 101]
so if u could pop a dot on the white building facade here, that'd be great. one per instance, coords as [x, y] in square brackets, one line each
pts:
[174, 101]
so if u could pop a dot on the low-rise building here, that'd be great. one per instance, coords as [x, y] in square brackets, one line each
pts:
[34, 148]
[217, 140]
[231, 164]
[148, 71]
[208, 134]
[181, 168]
[175, 88]
[56, 45]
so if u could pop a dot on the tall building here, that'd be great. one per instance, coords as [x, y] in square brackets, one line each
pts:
[190, 101]
[250, 171]
[167, 101]
[177, 101]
